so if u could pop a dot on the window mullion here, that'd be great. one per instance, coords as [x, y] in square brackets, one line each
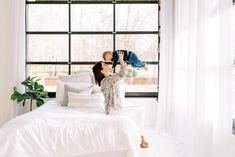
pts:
[69, 34]
[114, 23]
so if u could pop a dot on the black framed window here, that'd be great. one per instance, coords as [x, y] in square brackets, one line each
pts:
[68, 37]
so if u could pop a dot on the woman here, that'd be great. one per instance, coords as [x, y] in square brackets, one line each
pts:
[106, 79]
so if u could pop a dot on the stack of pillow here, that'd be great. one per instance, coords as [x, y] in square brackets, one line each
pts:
[78, 91]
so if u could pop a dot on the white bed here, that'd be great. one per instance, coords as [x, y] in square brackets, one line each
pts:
[56, 131]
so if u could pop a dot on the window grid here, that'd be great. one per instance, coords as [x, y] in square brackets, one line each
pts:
[113, 33]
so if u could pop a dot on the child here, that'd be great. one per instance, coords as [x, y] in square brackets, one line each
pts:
[106, 79]
[129, 57]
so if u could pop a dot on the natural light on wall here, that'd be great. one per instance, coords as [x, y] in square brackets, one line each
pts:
[68, 38]
[234, 53]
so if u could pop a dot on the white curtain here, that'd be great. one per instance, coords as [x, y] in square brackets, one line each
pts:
[12, 54]
[195, 95]
[18, 69]
[5, 60]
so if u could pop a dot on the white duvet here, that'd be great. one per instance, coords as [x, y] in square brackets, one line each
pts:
[56, 131]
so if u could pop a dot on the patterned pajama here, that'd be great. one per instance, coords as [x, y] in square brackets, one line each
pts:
[111, 90]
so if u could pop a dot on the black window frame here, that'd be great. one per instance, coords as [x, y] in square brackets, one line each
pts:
[114, 33]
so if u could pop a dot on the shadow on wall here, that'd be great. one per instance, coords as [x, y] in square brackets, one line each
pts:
[234, 126]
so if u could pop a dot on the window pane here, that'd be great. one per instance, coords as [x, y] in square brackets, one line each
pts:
[48, 74]
[92, 17]
[47, 48]
[90, 47]
[145, 46]
[139, 80]
[137, 17]
[76, 69]
[43, 17]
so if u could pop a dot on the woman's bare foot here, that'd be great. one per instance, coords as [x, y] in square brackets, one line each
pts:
[143, 143]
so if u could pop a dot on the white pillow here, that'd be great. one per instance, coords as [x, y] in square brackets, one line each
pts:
[61, 92]
[85, 77]
[96, 89]
[85, 100]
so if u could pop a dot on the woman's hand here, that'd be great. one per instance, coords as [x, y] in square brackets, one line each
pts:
[120, 56]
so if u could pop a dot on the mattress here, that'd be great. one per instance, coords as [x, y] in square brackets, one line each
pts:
[55, 131]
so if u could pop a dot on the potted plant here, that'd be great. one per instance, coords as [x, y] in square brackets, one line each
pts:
[33, 91]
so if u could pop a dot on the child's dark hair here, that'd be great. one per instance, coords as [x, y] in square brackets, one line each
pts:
[97, 72]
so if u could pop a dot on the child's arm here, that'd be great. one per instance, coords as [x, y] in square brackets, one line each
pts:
[119, 76]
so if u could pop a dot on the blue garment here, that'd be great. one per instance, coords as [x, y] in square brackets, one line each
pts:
[129, 58]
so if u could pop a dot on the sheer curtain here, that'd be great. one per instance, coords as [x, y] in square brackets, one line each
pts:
[6, 55]
[12, 51]
[18, 67]
[195, 100]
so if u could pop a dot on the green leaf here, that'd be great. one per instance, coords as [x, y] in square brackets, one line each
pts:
[32, 78]
[40, 102]
[37, 80]
[34, 91]
[13, 97]
[17, 96]
[26, 96]
[44, 94]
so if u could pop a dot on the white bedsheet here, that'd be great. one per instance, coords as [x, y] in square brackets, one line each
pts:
[56, 131]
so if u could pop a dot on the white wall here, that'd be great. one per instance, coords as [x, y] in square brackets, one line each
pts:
[6, 59]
